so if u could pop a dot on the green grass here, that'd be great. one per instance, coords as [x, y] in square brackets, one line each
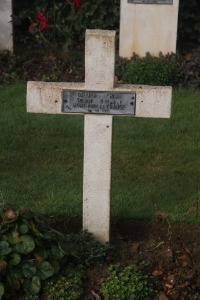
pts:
[155, 162]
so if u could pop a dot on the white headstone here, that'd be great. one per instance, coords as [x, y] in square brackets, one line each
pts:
[98, 99]
[148, 26]
[6, 29]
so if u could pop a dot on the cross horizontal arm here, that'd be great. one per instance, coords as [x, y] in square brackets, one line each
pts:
[151, 101]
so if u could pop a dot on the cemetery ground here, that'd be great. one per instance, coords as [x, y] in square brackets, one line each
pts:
[155, 186]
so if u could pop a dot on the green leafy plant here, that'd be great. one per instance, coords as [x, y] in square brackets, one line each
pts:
[162, 70]
[67, 287]
[29, 252]
[189, 22]
[86, 250]
[31, 297]
[126, 283]
[121, 65]
[192, 69]
[8, 67]
[60, 25]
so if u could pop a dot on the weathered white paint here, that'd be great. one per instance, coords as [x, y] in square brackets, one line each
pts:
[152, 102]
[148, 28]
[6, 30]
[99, 75]
[99, 59]
[97, 175]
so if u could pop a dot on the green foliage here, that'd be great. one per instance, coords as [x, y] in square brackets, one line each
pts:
[121, 65]
[8, 68]
[189, 21]
[192, 70]
[30, 297]
[68, 287]
[1, 290]
[66, 23]
[128, 283]
[27, 252]
[87, 251]
[31, 252]
[99, 14]
[162, 70]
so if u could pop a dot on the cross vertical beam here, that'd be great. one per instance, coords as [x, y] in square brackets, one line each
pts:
[99, 75]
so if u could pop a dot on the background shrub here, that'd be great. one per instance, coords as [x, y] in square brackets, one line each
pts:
[189, 22]
[192, 69]
[162, 70]
[99, 14]
[8, 67]
[66, 22]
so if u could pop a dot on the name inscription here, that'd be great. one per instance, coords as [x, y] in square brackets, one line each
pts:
[95, 102]
[151, 1]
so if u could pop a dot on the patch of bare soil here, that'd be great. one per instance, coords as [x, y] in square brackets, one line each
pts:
[169, 254]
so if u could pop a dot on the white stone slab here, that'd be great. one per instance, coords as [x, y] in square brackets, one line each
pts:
[148, 28]
[6, 29]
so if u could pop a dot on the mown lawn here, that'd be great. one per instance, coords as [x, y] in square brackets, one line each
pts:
[156, 162]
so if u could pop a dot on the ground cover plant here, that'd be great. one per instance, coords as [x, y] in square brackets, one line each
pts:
[126, 283]
[163, 265]
[36, 260]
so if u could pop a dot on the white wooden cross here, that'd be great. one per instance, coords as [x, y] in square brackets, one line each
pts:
[58, 98]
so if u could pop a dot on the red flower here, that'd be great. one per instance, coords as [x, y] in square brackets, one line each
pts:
[42, 21]
[77, 3]
[31, 27]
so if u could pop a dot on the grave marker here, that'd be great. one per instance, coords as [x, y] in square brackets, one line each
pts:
[98, 99]
[148, 26]
[6, 30]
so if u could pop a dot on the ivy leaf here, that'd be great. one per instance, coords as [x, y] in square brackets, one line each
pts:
[4, 248]
[32, 286]
[55, 264]
[23, 229]
[15, 260]
[56, 252]
[29, 270]
[26, 244]
[12, 282]
[13, 238]
[46, 270]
